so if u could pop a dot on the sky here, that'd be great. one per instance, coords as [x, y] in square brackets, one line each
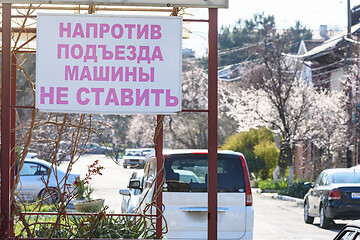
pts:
[311, 13]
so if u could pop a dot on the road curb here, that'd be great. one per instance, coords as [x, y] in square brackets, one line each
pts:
[274, 195]
[298, 201]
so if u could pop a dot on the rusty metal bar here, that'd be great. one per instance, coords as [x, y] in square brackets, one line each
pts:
[5, 120]
[83, 7]
[12, 139]
[160, 171]
[189, 110]
[212, 124]
[26, 107]
[196, 20]
[26, 51]
[18, 29]
[19, 16]
[86, 214]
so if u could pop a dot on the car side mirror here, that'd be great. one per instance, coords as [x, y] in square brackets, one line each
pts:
[124, 192]
[308, 184]
[135, 184]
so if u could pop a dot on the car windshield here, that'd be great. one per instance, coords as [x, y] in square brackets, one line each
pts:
[189, 173]
[346, 177]
[133, 153]
[147, 150]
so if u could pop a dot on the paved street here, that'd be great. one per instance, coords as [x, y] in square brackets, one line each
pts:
[278, 219]
[274, 219]
[107, 185]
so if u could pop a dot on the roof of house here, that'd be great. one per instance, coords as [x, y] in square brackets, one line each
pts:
[330, 45]
[313, 43]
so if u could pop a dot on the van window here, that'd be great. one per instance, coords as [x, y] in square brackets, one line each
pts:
[189, 173]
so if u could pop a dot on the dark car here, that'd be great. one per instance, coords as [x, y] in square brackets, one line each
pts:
[335, 195]
[350, 232]
[94, 148]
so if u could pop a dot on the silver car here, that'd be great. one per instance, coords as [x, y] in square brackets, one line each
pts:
[34, 175]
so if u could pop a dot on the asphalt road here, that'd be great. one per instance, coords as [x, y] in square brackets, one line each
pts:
[274, 218]
[107, 185]
[278, 219]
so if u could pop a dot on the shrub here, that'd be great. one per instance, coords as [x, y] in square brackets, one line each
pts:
[84, 190]
[36, 207]
[268, 152]
[268, 184]
[258, 147]
[298, 189]
[88, 227]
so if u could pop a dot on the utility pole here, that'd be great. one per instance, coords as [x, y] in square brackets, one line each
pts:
[354, 87]
[349, 18]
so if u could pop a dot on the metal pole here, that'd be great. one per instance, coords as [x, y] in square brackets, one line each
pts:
[349, 53]
[13, 127]
[212, 124]
[159, 164]
[348, 17]
[357, 152]
[5, 120]
[349, 62]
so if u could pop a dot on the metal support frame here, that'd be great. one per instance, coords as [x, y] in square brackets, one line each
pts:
[12, 139]
[212, 124]
[159, 179]
[8, 128]
[5, 121]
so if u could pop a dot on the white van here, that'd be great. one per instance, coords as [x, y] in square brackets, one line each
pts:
[185, 194]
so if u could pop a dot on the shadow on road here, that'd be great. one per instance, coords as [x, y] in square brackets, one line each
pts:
[333, 227]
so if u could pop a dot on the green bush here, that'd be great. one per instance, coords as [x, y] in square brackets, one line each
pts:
[298, 189]
[99, 227]
[35, 207]
[267, 152]
[258, 147]
[84, 190]
[88, 227]
[268, 184]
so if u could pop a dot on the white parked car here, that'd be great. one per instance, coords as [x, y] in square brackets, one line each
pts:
[34, 176]
[135, 157]
[185, 194]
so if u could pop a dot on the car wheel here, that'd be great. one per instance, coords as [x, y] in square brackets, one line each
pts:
[324, 222]
[307, 218]
[124, 165]
[50, 195]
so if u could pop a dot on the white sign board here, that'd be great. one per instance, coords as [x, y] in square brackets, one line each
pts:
[108, 64]
[151, 3]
